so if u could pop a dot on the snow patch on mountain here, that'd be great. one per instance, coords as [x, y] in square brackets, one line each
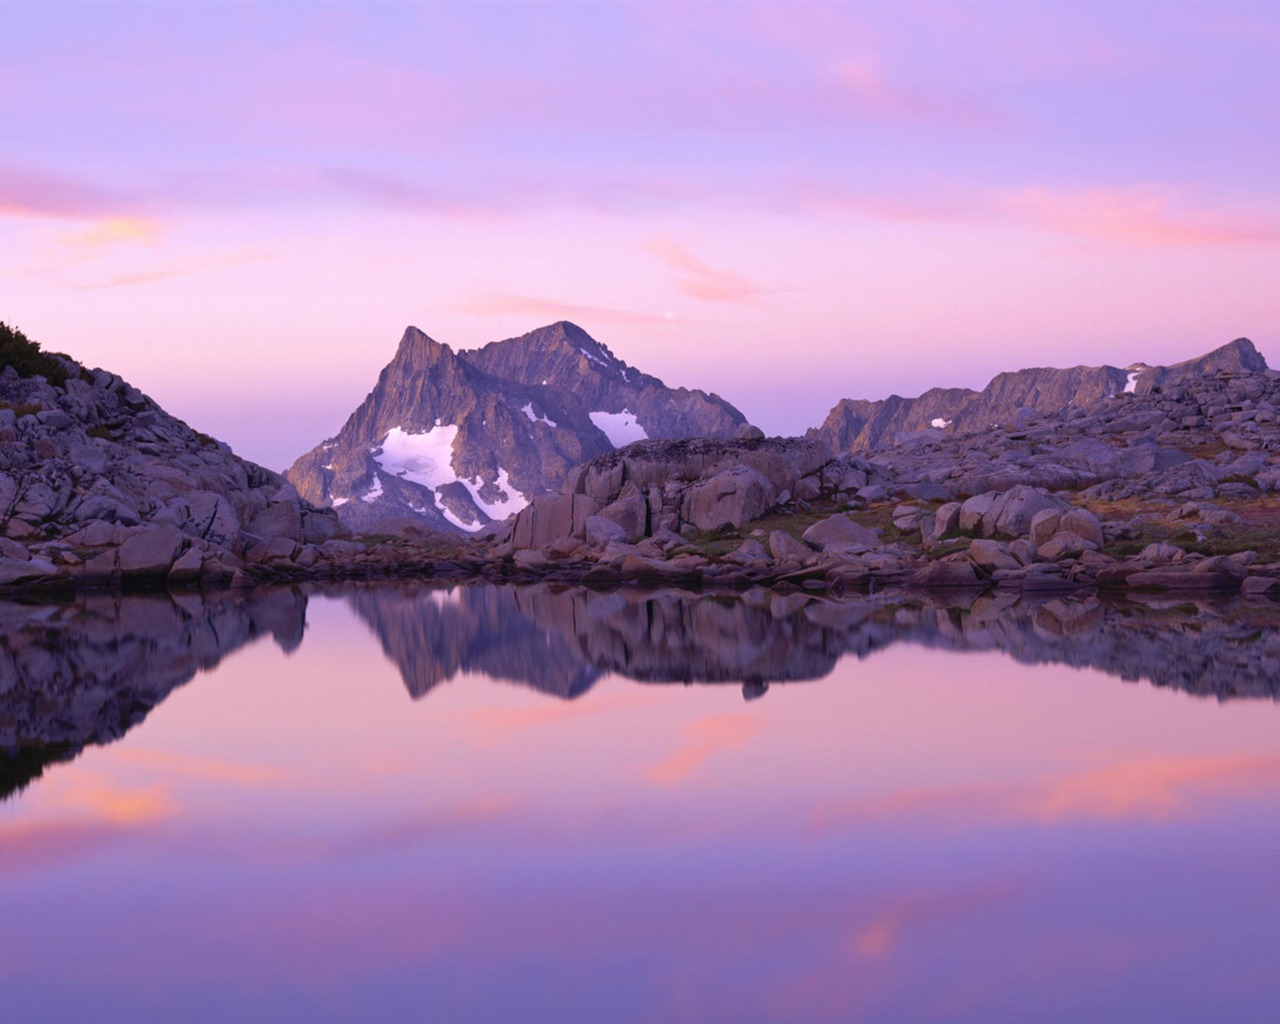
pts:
[500, 508]
[621, 428]
[425, 459]
[534, 417]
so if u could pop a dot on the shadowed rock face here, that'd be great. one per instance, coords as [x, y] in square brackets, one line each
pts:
[99, 484]
[563, 355]
[860, 425]
[475, 435]
[88, 671]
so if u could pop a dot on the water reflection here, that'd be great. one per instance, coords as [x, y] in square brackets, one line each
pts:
[561, 640]
[921, 836]
[87, 671]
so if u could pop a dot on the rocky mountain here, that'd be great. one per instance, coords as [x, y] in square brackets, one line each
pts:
[98, 484]
[855, 425]
[459, 440]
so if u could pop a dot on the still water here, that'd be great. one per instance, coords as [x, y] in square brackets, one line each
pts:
[386, 804]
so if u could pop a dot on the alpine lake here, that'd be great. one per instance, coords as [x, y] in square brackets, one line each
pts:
[416, 803]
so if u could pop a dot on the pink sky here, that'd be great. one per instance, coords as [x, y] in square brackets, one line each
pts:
[240, 207]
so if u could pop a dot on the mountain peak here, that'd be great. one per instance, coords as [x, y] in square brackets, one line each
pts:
[563, 334]
[418, 350]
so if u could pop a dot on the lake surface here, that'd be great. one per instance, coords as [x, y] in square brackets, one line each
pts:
[487, 804]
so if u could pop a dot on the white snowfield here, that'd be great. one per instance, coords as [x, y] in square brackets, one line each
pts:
[374, 492]
[426, 459]
[1131, 385]
[621, 428]
[939, 422]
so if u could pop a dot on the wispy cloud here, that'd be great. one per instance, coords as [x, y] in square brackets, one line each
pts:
[495, 303]
[176, 268]
[1141, 215]
[26, 193]
[105, 800]
[702, 740]
[702, 281]
[204, 768]
[875, 96]
[1137, 215]
[1154, 788]
[110, 233]
[880, 934]
[495, 724]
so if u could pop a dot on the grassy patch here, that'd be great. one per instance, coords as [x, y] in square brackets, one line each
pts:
[24, 355]
[1205, 449]
[21, 409]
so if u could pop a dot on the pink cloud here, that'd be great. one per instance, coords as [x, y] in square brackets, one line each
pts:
[875, 96]
[203, 768]
[1154, 788]
[495, 303]
[702, 740]
[880, 934]
[1140, 215]
[701, 281]
[495, 724]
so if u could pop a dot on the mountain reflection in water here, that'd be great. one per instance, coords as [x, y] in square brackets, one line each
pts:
[86, 672]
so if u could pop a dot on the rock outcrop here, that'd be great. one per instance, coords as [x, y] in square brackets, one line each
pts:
[652, 486]
[459, 440]
[99, 485]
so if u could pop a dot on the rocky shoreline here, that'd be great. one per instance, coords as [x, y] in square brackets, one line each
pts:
[1168, 486]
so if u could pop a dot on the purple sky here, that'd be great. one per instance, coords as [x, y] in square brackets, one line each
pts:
[241, 206]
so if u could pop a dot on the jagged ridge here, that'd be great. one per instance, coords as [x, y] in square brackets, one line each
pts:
[860, 425]
[457, 440]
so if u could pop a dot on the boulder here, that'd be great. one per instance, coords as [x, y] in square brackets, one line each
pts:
[785, 548]
[1083, 523]
[1044, 524]
[630, 511]
[749, 552]
[991, 554]
[974, 510]
[946, 520]
[839, 529]
[1064, 544]
[151, 551]
[1260, 586]
[732, 497]
[601, 530]
[1011, 513]
[945, 575]
[16, 572]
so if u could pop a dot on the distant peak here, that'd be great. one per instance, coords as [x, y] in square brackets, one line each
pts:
[419, 349]
[1237, 355]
